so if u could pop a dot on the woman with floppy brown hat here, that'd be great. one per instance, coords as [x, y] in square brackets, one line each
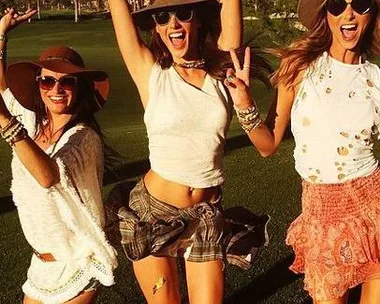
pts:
[175, 210]
[47, 117]
[331, 93]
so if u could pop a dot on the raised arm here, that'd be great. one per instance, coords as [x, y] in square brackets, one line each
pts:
[231, 25]
[8, 21]
[265, 136]
[36, 161]
[137, 57]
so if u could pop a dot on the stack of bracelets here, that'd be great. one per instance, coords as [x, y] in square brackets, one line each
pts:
[249, 118]
[13, 132]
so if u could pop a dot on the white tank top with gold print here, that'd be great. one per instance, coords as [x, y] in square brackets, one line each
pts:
[335, 121]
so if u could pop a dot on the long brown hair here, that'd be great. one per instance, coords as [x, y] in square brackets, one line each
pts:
[303, 52]
[217, 61]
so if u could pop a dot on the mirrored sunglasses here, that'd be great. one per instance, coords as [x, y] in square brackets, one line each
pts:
[337, 7]
[182, 15]
[67, 82]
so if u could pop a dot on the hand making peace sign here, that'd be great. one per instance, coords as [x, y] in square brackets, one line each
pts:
[237, 81]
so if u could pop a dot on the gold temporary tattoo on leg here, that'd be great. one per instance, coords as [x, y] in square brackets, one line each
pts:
[160, 282]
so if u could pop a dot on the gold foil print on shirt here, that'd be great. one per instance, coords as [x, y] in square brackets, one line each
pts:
[313, 178]
[341, 176]
[369, 83]
[343, 151]
[306, 122]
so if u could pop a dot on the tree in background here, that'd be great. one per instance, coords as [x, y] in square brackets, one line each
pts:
[274, 22]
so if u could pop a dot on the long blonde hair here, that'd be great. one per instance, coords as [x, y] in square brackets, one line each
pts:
[299, 55]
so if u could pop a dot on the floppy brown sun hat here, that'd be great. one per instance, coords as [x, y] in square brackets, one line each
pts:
[21, 76]
[142, 9]
[308, 11]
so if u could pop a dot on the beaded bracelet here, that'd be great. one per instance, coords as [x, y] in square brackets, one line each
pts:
[10, 124]
[21, 135]
[2, 54]
[12, 129]
[249, 118]
[13, 132]
[3, 38]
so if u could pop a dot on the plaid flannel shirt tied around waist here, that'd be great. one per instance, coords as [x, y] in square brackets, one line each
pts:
[199, 233]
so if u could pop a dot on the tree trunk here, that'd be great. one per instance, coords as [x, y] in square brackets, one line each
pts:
[76, 11]
[38, 10]
[28, 6]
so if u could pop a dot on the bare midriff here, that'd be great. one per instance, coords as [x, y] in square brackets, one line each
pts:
[178, 195]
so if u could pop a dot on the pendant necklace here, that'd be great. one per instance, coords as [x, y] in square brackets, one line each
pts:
[48, 140]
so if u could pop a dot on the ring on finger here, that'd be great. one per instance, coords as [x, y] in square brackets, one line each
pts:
[230, 78]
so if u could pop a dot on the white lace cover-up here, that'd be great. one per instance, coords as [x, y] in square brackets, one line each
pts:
[66, 219]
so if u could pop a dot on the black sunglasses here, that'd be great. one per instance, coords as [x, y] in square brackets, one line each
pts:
[182, 14]
[337, 7]
[67, 82]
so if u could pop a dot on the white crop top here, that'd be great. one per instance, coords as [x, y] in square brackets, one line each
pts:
[186, 128]
[335, 119]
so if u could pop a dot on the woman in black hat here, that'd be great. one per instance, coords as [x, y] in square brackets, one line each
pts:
[331, 93]
[175, 210]
[47, 117]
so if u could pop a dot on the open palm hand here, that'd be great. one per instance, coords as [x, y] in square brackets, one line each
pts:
[12, 18]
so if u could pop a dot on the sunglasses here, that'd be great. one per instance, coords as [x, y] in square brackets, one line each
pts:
[337, 7]
[182, 14]
[68, 82]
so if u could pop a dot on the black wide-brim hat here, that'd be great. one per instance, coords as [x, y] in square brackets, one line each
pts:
[21, 76]
[142, 9]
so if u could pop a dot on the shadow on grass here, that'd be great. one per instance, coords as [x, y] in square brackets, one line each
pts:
[6, 204]
[268, 284]
[265, 285]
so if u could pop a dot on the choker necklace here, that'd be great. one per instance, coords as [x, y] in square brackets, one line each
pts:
[195, 64]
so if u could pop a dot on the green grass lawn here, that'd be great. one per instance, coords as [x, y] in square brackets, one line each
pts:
[262, 185]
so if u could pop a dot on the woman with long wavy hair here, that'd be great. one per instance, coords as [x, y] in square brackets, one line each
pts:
[331, 93]
[175, 210]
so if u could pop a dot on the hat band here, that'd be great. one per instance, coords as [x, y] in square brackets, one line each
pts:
[59, 58]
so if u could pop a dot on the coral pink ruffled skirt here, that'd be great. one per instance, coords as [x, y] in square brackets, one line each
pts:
[336, 238]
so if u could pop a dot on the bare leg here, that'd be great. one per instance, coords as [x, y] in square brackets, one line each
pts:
[158, 279]
[342, 300]
[28, 300]
[84, 298]
[87, 297]
[370, 292]
[205, 282]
